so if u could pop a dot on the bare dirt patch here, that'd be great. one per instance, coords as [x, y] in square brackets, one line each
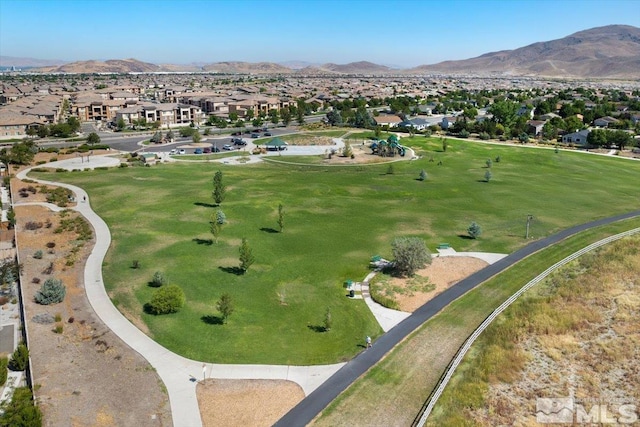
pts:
[246, 402]
[443, 272]
[84, 375]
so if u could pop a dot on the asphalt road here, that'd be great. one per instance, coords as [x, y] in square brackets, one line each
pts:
[311, 406]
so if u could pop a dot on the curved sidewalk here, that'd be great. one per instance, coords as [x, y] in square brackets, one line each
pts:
[179, 374]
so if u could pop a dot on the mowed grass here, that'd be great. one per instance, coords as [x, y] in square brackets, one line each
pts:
[335, 220]
[393, 391]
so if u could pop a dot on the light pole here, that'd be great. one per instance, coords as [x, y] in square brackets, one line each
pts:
[529, 218]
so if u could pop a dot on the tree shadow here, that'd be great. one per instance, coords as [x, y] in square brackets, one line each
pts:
[199, 241]
[268, 230]
[206, 205]
[465, 236]
[482, 180]
[148, 309]
[212, 320]
[233, 270]
[317, 328]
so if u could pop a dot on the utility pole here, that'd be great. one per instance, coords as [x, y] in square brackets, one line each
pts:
[529, 218]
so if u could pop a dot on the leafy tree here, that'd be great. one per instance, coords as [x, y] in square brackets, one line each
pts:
[43, 131]
[167, 299]
[20, 358]
[170, 136]
[225, 307]
[274, 116]
[246, 256]
[257, 122]
[285, 114]
[334, 118]
[74, 124]
[248, 115]
[215, 228]
[445, 145]
[328, 321]
[196, 137]
[523, 137]
[52, 291]
[410, 254]
[239, 123]
[20, 411]
[423, 175]
[347, 151]
[93, 138]
[221, 218]
[488, 175]
[233, 116]
[157, 137]
[619, 138]
[121, 124]
[281, 217]
[219, 188]
[573, 124]
[186, 131]
[597, 138]
[362, 118]
[504, 112]
[11, 217]
[474, 230]
[158, 279]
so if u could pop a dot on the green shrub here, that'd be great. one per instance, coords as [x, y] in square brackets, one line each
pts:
[37, 254]
[158, 279]
[21, 411]
[4, 363]
[20, 358]
[166, 300]
[52, 291]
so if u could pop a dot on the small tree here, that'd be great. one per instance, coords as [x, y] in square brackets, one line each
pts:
[410, 254]
[391, 169]
[488, 175]
[445, 145]
[498, 159]
[221, 218]
[168, 299]
[246, 256]
[219, 188]
[52, 291]
[158, 279]
[196, 137]
[489, 163]
[225, 307]
[281, 217]
[93, 138]
[327, 322]
[20, 358]
[215, 227]
[121, 124]
[474, 230]
[423, 175]
[347, 151]
[170, 136]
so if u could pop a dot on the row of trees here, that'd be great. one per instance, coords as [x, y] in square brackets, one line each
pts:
[62, 130]
[609, 138]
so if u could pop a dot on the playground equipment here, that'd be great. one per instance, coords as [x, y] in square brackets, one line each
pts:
[387, 148]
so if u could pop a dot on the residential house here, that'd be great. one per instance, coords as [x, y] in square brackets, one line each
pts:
[604, 121]
[534, 127]
[16, 125]
[577, 138]
[448, 122]
[525, 111]
[388, 120]
[418, 123]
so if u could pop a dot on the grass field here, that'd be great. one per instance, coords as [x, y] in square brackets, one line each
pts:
[393, 391]
[335, 220]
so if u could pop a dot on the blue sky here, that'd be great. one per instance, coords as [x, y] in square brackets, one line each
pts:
[398, 33]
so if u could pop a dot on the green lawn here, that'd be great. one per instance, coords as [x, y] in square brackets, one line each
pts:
[336, 219]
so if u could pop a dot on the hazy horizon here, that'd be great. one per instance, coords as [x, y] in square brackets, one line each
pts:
[400, 33]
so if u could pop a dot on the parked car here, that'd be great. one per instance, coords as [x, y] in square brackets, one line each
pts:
[197, 151]
[267, 134]
[215, 149]
[173, 151]
[239, 141]
[255, 135]
[182, 151]
[227, 147]
[206, 150]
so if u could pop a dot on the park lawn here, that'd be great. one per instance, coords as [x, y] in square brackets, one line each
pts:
[336, 218]
[394, 390]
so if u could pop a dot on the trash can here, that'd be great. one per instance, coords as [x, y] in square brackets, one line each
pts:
[352, 293]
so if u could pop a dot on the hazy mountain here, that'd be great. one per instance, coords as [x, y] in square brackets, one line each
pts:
[604, 52]
[109, 66]
[13, 61]
[361, 67]
[296, 65]
[238, 67]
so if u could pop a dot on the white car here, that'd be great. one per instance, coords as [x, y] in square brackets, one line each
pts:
[227, 147]
[173, 151]
[182, 151]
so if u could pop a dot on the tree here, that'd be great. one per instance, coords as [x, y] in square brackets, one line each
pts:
[52, 291]
[334, 118]
[221, 218]
[489, 163]
[474, 230]
[281, 217]
[158, 279]
[410, 254]
[121, 124]
[43, 131]
[248, 115]
[423, 175]
[219, 188]
[196, 137]
[488, 175]
[74, 124]
[285, 114]
[274, 116]
[233, 116]
[504, 112]
[347, 151]
[328, 321]
[168, 299]
[4, 363]
[20, 411]
[20, 358]
[215, 228]
[170, 136]
[93, 138]
[225, 307]
[246, 255]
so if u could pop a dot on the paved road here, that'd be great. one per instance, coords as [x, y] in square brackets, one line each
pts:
[311, 406]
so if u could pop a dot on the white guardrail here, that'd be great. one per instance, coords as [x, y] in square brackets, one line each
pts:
[469, 342]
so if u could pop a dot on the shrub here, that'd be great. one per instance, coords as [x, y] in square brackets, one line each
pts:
[158, 279]
[4, 362]
[135, 264]
[474, 230]
[423, 175]
[21, 411]
[168, 299]
[484, 136]
[488, 175]
[58, 328]
[489, 163]
[32, 225]
[464, 133]
[35, 280]
[52, 291]
[221, 218]
[37, 254]
[20, 358]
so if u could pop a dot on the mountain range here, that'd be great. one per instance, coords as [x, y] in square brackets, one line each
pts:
[604, 52]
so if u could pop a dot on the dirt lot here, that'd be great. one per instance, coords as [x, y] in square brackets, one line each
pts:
[84, 375]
